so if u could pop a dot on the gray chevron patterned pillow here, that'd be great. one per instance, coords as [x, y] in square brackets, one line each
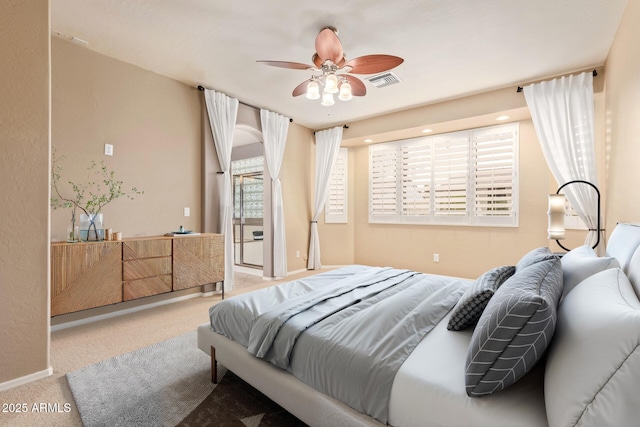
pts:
[472, 303]
[515, 328]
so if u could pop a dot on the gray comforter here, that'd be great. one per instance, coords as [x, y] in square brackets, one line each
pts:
[348, 337]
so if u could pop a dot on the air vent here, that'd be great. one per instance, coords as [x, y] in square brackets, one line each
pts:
[384, 79]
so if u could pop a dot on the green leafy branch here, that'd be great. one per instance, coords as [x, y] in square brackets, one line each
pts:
[101, 189]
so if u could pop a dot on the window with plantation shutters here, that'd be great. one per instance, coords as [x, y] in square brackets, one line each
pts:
[466, 178]
[416, 178]
[451, 175]
[383, 181]
[335, 209]
[494, 163]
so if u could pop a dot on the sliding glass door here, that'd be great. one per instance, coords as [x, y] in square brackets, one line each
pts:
[248, 219]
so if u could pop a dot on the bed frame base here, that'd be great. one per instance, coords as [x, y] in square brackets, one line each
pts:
[214, 366]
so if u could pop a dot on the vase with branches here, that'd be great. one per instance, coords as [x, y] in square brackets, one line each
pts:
[90, 197]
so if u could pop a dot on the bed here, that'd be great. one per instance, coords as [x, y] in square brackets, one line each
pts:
[581, 367]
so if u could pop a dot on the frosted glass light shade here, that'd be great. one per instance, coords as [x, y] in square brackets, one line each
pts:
[327, 99]
[331, 84]
[555, 212]
[313, 90]
[345, 92]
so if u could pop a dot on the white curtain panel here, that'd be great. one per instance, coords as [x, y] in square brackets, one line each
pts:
[327, 147]
[562, 113]
[274, 133]
[223, 111]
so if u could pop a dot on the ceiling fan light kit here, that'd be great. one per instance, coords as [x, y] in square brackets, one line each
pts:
[332, 63]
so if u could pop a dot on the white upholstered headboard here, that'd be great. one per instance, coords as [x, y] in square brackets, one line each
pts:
[593, 365]
[624, 244]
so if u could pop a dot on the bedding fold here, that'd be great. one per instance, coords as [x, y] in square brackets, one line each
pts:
[275, 332]
[355, 354]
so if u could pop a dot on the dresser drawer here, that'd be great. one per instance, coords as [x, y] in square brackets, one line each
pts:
[146, 248]
[146, 287]
[146, 267]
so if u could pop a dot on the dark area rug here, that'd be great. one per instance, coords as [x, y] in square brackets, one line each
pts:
[235, 403]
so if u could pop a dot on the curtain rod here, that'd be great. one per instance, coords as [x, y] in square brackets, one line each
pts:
[201, 89]
[520, 89]
[343, 127]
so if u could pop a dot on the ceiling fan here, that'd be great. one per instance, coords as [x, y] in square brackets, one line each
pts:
[332, 63]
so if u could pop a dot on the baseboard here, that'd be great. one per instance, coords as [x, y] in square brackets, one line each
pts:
[26, 379]
[124, 311]
[324, 267]
[331, 267]
[247, 270]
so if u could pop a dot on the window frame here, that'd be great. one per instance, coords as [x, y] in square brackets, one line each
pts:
[450, 165]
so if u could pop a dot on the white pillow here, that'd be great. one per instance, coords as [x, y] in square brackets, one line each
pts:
[582, 262]
[593, 365]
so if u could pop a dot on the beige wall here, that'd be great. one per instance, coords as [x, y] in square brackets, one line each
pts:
[155, 126]
[622, 89]
[24, 194]
[463, 251]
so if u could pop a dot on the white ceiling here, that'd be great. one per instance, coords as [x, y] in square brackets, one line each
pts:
[451, 48]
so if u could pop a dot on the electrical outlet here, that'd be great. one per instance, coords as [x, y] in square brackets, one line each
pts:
[108, 150]
[187, 212]
[297, 254]
[436, 257]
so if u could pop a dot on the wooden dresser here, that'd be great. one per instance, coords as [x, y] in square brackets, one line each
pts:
[93, 274]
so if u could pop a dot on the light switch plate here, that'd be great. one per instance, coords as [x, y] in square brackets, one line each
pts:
[187, 212]
[108, 150]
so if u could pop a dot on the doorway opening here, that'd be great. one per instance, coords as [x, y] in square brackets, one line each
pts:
[248, 217]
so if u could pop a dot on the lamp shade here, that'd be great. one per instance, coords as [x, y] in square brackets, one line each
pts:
[327, 99]
[345, 91]
[313, 90]
[556, 212]
[331, 83]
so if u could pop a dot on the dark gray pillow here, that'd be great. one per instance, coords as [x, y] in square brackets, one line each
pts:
[472, 303]
[515, 328]
[536, 255]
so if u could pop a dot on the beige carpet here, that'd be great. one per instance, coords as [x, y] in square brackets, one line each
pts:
[80, 346]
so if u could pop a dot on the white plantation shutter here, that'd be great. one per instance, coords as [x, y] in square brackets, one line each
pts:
[451, 175]
[494, 156]
[462, 178]
[383, 182]
[335, 210]
[416, 178]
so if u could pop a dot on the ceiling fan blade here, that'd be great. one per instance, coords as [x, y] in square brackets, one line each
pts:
[301, 89]
[317, 60]
[328, 46]
[357, 86]
[371, 64]
[286, 64]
